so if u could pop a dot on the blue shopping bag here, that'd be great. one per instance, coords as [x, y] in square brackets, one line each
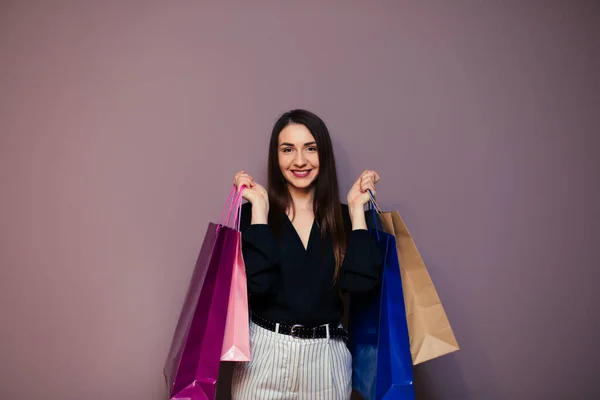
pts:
[379, 343]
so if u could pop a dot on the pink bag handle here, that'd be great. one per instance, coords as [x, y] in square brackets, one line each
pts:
[233, 202]
[238, 219]
[238, 207]
[231, 193]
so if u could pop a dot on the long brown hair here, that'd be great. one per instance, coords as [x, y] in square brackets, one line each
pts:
[326, 203]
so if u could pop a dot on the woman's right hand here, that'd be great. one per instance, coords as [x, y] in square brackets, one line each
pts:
[255, 194]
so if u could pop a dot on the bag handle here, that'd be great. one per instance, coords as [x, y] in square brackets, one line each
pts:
[379, 210]
[238, 205]
[234, 201]
[375, 209]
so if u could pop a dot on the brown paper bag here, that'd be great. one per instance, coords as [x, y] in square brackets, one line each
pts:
[429, 330]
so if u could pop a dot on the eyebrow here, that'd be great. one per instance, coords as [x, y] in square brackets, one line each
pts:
[292, 145]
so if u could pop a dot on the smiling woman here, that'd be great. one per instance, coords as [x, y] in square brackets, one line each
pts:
[302, 248]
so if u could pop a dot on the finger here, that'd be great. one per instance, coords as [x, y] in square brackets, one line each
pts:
[369, 175]
[373, 174]
[243, 182]
[238, 176]
[366, 185]
[366, 180]
[243, 176]
[377, 177]
[369, 186]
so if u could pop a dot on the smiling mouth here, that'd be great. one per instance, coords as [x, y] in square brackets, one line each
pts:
[301, 173]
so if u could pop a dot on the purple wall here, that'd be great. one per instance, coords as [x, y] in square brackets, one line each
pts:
[121, 127]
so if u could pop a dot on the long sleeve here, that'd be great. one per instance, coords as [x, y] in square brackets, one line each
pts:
[362, 265]
[261, 253]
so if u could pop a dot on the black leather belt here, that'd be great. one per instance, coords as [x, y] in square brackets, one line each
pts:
[302, 331]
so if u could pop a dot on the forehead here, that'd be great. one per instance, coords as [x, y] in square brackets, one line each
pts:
[296, 134]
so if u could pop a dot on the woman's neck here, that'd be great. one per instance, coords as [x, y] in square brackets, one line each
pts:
[302, 198]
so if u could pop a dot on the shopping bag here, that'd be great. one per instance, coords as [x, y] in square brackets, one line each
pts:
[429, 329]
[381, 361]
[236, 342]
[192, 367]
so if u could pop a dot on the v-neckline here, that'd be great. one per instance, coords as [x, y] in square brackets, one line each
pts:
[310, 234]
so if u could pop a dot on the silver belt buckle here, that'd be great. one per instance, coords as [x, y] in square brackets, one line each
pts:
[294, 327]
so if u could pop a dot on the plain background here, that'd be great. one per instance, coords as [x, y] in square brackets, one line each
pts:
[123, 123]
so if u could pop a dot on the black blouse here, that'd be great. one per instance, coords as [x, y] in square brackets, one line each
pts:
[293, 285]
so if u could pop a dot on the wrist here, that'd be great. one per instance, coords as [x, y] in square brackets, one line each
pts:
[357, 217]
[355, 208]
[260, 212]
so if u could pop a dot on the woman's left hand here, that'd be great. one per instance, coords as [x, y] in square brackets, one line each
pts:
[358, 195]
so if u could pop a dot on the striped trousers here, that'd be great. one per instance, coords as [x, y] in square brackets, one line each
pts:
[283, 367]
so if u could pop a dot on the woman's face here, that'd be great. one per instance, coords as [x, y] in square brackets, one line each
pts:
[298, 156]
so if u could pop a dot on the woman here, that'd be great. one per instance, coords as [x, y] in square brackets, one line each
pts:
[302, 249]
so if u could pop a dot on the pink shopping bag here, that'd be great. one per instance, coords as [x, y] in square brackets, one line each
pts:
[236, 343]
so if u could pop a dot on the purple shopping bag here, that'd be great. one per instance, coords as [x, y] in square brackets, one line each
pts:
[192, 366]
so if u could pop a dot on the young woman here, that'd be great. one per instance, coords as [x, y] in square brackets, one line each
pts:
[302, 249]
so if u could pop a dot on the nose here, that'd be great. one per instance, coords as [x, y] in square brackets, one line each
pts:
[299, 160]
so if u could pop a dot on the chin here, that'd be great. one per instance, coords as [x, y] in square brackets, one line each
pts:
[300, 183]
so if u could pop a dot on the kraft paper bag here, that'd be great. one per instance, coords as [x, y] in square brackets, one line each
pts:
[430, 333]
